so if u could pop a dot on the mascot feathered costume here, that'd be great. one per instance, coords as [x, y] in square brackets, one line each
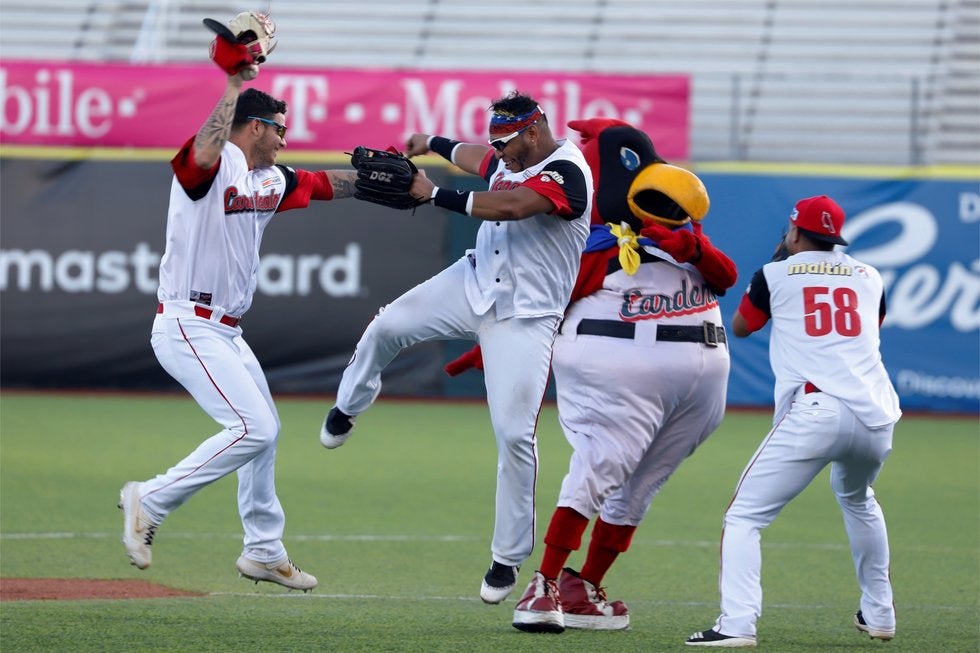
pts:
[641, 367]
[641, 200]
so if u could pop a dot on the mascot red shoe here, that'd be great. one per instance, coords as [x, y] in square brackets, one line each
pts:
[641, 367]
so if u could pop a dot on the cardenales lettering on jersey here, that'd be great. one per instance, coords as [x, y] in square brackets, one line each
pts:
[237, 203]
[690, 299]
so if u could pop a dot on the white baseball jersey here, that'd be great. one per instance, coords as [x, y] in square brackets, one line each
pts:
[834, 301]
[215, 226]
[526, 268]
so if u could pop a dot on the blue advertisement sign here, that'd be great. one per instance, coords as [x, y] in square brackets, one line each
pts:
[921, 233]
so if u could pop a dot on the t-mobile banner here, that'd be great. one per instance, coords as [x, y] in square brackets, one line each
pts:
[80, 251]
[123, 105]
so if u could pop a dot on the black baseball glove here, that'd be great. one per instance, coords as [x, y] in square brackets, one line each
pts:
[384, 177]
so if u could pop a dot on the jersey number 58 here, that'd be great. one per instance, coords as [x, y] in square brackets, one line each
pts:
[838, 312]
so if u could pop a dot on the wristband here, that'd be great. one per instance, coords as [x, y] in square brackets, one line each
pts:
[454, 200]
[444, 147]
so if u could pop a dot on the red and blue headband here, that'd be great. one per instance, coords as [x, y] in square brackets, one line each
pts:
[505, 123]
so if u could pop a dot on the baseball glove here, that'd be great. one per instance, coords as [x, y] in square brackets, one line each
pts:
[247, 39]
[384, 177]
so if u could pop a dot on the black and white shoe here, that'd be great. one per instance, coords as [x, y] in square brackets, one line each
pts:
[873, 633]
[336, 429]
[712, 637]
[499, 581]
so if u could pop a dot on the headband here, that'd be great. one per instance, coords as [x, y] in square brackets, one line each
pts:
[503, 123]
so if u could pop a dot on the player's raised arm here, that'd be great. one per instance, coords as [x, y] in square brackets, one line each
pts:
[467, 156]
[216, 129]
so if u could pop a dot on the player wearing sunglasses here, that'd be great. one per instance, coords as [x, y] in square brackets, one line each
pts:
[226, 189]
[508, 294]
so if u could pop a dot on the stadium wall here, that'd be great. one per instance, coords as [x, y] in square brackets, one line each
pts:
[83, 212]
[81, 240]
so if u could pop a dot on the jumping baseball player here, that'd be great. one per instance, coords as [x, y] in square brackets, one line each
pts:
[834, 404]
[226, 188]
[508, 294]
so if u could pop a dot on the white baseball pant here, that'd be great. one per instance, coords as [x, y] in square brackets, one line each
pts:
[217, 367]
[632, 410]
[516, 361]
[816, 431]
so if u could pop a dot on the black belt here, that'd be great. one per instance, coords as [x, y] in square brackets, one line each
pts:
[707, 333]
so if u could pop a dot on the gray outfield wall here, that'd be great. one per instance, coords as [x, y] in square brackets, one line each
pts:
[81, 243]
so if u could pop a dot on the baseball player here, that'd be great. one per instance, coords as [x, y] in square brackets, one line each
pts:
[226, 188]
[834, 404]
[641, 367]
[508, 294]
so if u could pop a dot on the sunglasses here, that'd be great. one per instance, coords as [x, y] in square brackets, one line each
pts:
[280, 129]
[500, 143]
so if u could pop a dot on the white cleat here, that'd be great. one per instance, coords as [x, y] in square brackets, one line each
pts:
[873, 633]
[138, 531]
[284, 573]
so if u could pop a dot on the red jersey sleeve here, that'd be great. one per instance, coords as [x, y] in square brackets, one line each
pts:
[308, 186]
[755, 303]
[195, 181]
[488, 166]
[755, 319]
[565, 185]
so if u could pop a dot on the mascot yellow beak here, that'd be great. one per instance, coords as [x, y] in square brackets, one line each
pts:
[668, 195]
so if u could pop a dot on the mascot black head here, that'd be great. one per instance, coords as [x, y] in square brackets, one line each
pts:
[632, 183]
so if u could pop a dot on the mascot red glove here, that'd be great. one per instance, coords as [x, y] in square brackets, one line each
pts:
[694, 247]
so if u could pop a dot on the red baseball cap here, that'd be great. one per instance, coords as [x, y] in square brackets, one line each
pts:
[820, 218]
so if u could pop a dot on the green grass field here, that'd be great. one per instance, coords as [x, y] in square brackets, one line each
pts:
[397, 525]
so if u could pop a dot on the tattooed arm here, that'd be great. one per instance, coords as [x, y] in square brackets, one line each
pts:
[342, 182]
[216, 129]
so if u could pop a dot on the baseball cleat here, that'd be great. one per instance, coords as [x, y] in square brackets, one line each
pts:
[498, 582]
[712, 637]
[138, 531]
[539, 610]
[873, 633]
[336, 428]
[585, 605]
[284, 573]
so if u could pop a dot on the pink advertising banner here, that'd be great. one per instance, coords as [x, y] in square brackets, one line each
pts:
[160, 106]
